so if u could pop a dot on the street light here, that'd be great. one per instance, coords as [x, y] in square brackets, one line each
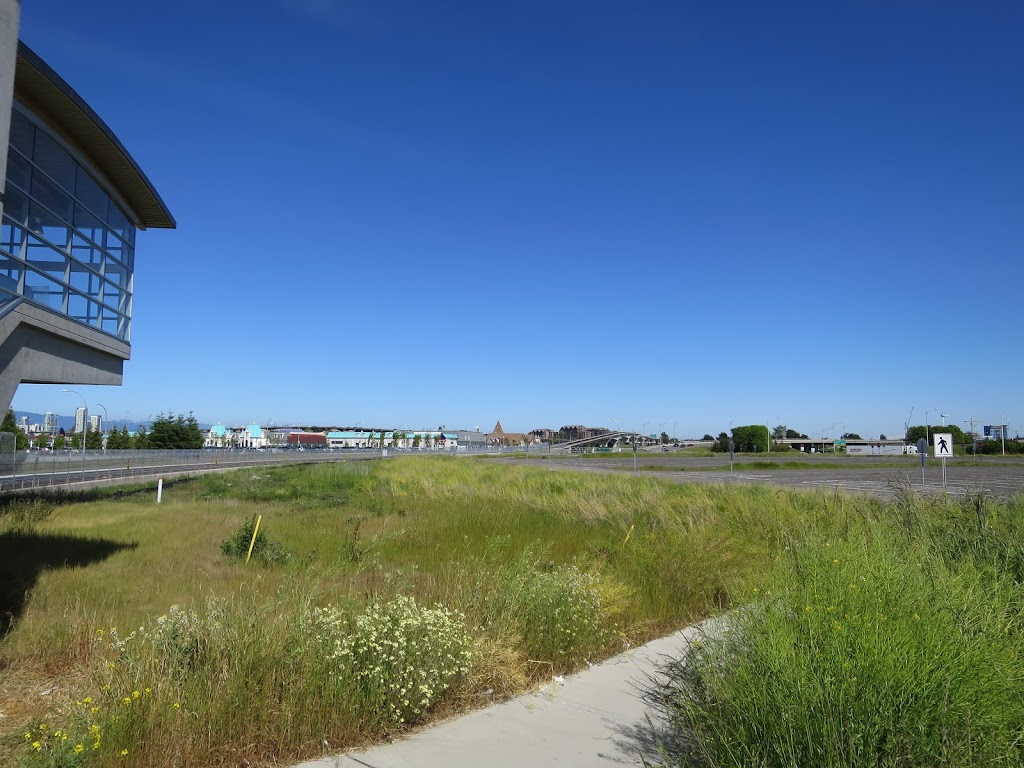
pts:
[674, 429]
[105, 419]
[85, 407]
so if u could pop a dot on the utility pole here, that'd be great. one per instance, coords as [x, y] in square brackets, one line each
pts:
[974, 439]
[1002, 431]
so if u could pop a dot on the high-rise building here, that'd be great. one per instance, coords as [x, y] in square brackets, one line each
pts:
[50, 422]
[73, 199]
[23, 423]
[81, 419]
[96, 423]
[995, 431]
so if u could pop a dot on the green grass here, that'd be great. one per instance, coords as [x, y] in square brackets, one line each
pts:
[191, 658]
[893, 639]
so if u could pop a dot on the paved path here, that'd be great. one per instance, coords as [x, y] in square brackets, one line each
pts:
[598, 717]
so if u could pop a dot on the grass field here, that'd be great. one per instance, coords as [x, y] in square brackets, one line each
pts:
[387, 594]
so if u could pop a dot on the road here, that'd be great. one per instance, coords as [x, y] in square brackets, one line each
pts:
[877, 476]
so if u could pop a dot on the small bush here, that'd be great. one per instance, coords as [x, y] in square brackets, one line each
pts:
[237, 546]
[402, 656]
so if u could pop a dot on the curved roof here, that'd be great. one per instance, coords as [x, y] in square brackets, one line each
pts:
[43, 87]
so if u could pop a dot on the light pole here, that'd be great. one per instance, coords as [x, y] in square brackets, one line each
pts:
[85, 407]
[105, 419]
[1002, 431]
[642, 428]
[674, 431]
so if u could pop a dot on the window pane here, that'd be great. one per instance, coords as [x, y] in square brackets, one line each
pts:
[90, 193]
[42, 290]
[85, 252]
[10, 273]
[53, 159]
[22, 133]
[45, 259]
[44, 223]
[115, 324]
[115, 272]
[12, 238]
[16, 205]
[118, 221]
[88, 224]
[84, 281]
[113, 297]
[83, 310]
[19, 171]
[114, 246]
[50, 195]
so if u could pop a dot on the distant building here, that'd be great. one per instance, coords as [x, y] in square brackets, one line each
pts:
[23, 423]
[996, 432]
[81, 419]
[308, 439]
[96, 423]
[251, 436]
[49, 422]
[579, 432]
[217, 436]
[499, 436]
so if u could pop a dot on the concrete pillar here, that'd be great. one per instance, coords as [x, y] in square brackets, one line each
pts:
[10, 13]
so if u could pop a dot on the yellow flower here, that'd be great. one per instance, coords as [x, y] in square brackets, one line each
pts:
[36, 746]
[87, 699]
[79, 749]
[124, 753]
[135, 694]
[177, 705]
[99, 631]
[42, 726]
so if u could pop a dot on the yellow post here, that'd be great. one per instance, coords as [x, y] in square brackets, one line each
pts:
[259, 519]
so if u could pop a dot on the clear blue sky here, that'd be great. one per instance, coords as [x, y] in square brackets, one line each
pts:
[409, 213]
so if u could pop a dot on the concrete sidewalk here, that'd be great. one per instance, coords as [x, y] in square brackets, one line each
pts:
[597, 717]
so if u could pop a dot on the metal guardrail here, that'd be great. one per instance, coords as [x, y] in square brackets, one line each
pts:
[47, 469]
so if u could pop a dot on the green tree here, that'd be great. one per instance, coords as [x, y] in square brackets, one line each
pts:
[171, 432]
[792, 434]
[722, 443]
[9, 425]
[118, 439]
[851, 436]
[42, 440]
[780, 432]
[58, 442]
[664, 438]
[753, 438]
[93, 440]
[76, 441]
[707, 437]
[141, 440]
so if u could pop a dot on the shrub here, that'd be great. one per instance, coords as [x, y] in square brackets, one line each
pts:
[237, 546]
[402, 656]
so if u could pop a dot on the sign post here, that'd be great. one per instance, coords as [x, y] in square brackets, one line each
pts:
[732, 449]
[922, 451]
[943, 448]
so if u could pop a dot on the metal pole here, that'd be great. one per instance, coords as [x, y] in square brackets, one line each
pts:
[1002, 431]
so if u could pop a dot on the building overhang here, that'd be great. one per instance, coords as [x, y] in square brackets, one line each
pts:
[45, 92]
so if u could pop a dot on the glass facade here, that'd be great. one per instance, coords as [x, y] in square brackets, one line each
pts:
[65, 244]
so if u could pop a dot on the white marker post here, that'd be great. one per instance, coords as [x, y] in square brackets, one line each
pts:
[159, 489]
[943, 442]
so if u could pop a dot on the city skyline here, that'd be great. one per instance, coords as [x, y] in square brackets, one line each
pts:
[573, 213]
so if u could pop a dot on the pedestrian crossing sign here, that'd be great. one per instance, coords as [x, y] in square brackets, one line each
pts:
[943, 442]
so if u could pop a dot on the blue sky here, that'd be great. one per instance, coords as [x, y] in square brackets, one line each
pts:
[689, 214]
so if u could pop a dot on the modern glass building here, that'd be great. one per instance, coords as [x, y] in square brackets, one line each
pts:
[73, 201]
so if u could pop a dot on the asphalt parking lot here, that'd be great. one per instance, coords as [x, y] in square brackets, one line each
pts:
[877, 476]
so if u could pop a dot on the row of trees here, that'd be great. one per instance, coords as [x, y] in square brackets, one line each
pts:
[167, 432]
